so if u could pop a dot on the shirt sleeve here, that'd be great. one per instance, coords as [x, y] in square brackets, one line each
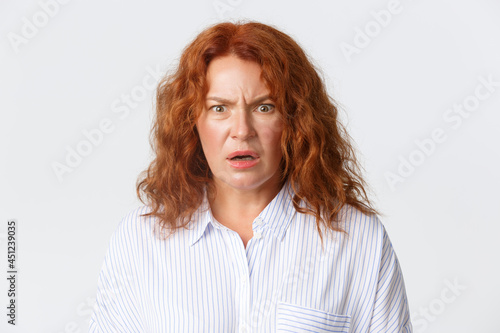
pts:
[117, 307]
[390, 311]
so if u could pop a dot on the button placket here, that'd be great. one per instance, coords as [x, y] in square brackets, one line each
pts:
[257, 224]
[244, 328]
[243, 283]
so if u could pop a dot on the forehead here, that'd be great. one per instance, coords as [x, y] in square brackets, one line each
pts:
[232, 75]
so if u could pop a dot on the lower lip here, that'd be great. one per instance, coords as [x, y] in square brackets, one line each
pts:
[243, 164]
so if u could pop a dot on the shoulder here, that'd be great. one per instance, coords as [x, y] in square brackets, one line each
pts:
[362, 230]
[354, 220]
[134, 226]
[146, 231]
[137, 215]
[133, 219]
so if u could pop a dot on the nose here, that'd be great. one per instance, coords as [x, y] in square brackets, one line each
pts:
[242, 126]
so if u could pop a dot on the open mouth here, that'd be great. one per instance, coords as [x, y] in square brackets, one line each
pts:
[242, 158]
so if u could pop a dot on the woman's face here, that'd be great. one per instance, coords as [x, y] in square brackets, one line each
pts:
[239, 127]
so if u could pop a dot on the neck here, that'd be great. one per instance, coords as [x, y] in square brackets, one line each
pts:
[237, 208]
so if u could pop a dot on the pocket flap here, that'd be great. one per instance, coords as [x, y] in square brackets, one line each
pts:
[295, 318]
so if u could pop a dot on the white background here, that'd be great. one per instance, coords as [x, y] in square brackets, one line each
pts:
[83, 58]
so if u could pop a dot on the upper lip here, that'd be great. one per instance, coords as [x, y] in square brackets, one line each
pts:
[242, 153]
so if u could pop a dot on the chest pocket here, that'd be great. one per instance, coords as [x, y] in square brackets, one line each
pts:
[294, 318]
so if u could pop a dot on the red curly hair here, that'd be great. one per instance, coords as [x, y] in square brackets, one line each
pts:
[318, 157]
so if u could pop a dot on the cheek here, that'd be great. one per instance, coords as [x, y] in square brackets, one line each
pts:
[210, 138]
[271, 135]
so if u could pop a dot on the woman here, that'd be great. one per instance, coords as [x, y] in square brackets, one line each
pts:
[257, 219]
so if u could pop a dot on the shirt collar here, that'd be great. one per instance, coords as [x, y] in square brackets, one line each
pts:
[279, 212]
[200, 220]
[276, 216]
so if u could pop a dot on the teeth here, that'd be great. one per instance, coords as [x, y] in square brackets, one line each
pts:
[243, 158]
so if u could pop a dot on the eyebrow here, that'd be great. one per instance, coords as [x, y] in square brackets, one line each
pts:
[226, 101]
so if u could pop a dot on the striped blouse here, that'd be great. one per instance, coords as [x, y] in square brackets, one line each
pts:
[202, 279]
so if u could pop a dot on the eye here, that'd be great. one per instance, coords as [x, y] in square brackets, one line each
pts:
[218, 108]
[265, 108]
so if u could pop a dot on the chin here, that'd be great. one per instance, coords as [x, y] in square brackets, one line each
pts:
[250, 183]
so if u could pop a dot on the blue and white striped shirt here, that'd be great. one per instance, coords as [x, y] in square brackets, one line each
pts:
[203, 279]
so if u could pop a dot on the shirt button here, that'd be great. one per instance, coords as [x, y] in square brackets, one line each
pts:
[257, 235]
[243, 329]
[258, 221]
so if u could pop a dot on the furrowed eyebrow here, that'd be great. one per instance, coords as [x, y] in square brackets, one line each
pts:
[226, 101]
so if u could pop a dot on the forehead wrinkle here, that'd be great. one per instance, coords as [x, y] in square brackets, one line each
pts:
[257, 100]
[243, 91]
[228, 84]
